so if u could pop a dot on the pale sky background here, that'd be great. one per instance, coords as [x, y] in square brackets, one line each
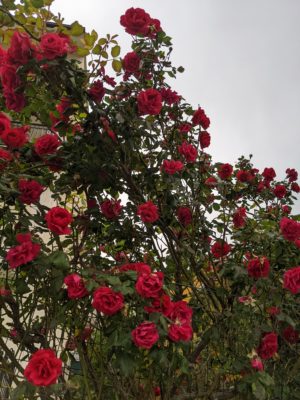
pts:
[242, 65]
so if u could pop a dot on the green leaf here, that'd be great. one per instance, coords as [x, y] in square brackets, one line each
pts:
[117, 65]
[97, 49]
[82, 52]
[115, 51]
[126, 363]
[37, 3]
[76, 29]
[258, 390]
[59, 259]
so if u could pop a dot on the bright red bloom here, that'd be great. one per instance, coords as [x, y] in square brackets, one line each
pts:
[225, 171]
[290, 229]
[4, 123]
[15, 137]
[180, 332]
[188, 151]
[76, 287]
[295, 187]
[269, 174]
[268, 346]
[200, 118]
[21, 49]
[258, 267]
[291, 280]
[97, 91]
[185, 127]
[239, 217]
[172, 166]
[257, 364]
[181, 312]
[292, 174]
[14, 101]
[161, 305]
[184, 215]
[279, 191]
[204, 139]
[211, 181]
[136, 21]
[148, 212]
[169, 96]
[150, 285]
[131, 63]
[46, 144]
[139, 267]
[30, 191]
[149, 102]
[291, 335]
[220, 249]
[58, 219]
[107, 301]
[43, 368]
[111, 209]
[244, 176]
[9, 78]
[53, 45]
[5, 158]
[23, 253]
[145, 335]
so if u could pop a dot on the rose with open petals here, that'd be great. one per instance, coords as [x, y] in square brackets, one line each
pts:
[291, 280]
[149, 102]
[136, 21]
[43, 368]
[107, 301]
[76, 287]
[268, 346]
[258, 267]
[150, 285]
[15, 137]
[30, 191]
[148, 212]
[180, 332]
[145, 335]
[46, 144]
[58, 220]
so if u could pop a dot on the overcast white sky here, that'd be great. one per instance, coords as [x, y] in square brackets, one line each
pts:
[242, 65]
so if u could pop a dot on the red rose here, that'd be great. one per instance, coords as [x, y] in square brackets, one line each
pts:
[16, 137]
[9, 77]
[211, 181]
[145, 335]
[43, 368]
[258, 267]
[204, 139]
[295, 187]
[136, 21]
[140, 268]
[181, 312]
[273, 310]
[107, 301]
[291, 335]
[161, 305]
[58, 219]
[148, 212]
[178, 332]
[286, 209]
[30, 191]
[111, 208]
[184, 215]
[5, 158]
[239, 217]
[290, 229]
[225, 171]
[279, 191]
[21, 49]
[149, 102]
[53, 45]
[76, 288]
[188, 151]
[269, 174]
[14, 101]
[291, 280]
[157, 391]
[4, 123]
[200, 118]
[23, 253]
[172, 166]
[97, 91]
[220, 249]
[169, 96]
[131, 63]
[150, 285]
[185, 128]
[291, 174]
[257, 364]
[268, 346]
[46, 144]
[244, 176]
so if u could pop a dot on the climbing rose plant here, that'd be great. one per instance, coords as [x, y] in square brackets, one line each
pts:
[125, 249]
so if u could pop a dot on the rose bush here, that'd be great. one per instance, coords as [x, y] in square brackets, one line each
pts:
[163, 272]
